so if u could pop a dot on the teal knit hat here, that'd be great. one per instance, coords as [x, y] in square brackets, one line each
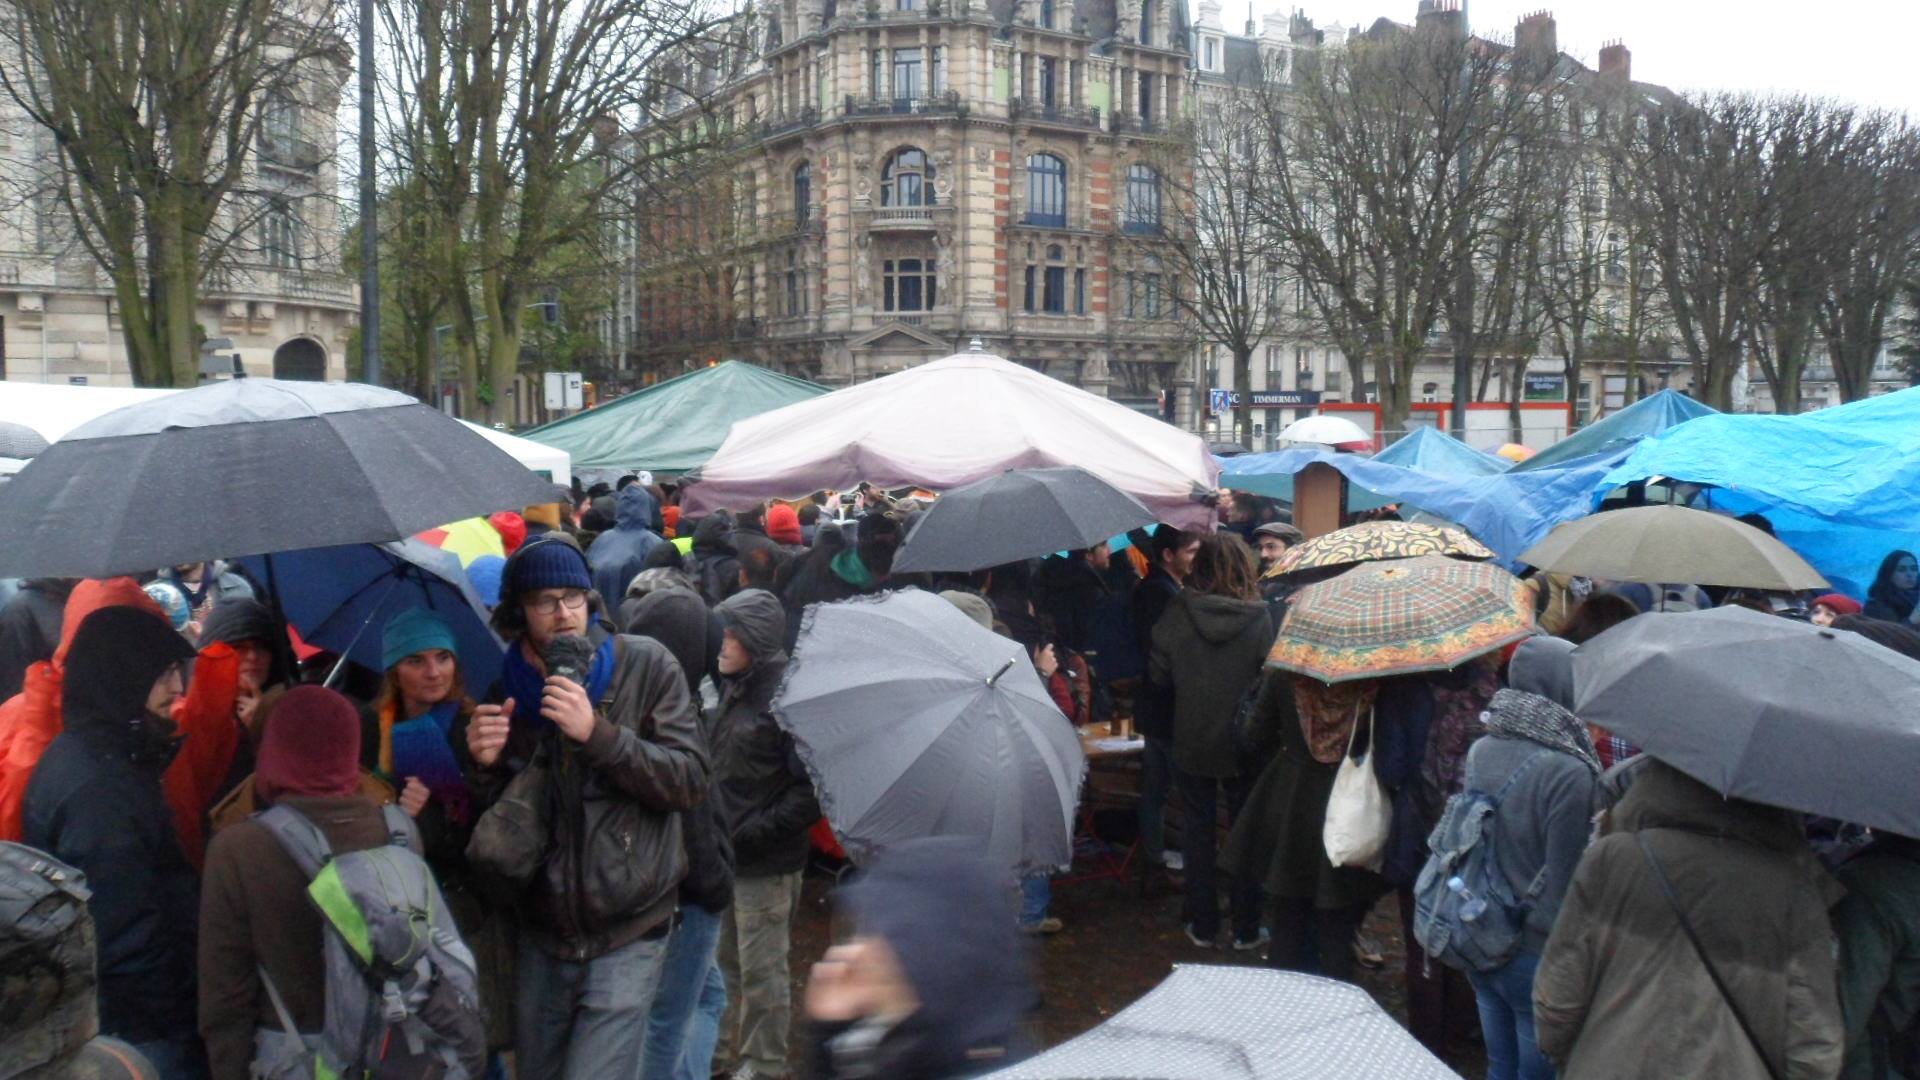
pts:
[416, 630]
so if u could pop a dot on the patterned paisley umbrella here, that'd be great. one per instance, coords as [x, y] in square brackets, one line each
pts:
[1429, 613]
[1375, 540]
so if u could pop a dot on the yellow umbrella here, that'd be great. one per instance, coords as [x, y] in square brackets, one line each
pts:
[469, 539]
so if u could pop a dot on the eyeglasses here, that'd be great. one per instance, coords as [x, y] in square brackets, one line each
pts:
[550, 603]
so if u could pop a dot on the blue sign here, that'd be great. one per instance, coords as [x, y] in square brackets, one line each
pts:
[1220, 401]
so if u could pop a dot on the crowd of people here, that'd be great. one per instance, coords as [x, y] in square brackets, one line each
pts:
[618, 828]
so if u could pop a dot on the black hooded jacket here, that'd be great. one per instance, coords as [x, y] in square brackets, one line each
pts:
[95, 802]
[30, 625]
[759, 783]
[716, 570]
[234, 621]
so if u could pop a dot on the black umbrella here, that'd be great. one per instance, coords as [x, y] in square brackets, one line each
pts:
[1020, 514]
[244, 467]
[20, 441]
[1763, 708]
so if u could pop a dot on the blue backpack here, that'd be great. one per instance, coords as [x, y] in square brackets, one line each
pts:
[1464, 913]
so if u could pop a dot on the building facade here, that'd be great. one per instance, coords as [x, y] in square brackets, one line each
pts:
[1297, 370]
[917, 173]
[279, 295]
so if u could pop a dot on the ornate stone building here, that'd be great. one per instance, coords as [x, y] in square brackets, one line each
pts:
[920, 172]
[279, 295]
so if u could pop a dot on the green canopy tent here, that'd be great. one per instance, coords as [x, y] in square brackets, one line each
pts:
[671, 427]
[1648, 416]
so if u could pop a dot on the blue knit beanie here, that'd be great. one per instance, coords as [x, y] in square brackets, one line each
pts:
[548, 564]
[416, 630]
[483, 574]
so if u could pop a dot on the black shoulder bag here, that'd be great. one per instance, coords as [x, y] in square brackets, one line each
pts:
[1686, 925]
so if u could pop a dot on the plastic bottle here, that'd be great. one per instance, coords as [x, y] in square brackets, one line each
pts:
[1471, 906]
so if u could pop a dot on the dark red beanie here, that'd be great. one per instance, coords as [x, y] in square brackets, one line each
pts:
[311, 747]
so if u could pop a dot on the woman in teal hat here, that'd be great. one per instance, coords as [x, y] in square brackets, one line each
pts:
[423, 699]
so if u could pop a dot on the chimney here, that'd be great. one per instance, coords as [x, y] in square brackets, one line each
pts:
[1273, 27]
[1536, 39]
[1616, 63]
[1443, 16]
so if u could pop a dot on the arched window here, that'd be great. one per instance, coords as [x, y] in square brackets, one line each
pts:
[1143, 200]
[1046, 190]
[280, 236]
[802, 193]
[907, 179]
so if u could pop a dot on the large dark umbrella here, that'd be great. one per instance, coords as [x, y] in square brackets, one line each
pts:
[1763, 708]
[245, 467]
[1020, 514]
[914, 722]
[1211, 1022]
[341, 598]
[1660, 544]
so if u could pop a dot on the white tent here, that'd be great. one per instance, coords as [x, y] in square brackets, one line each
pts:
[541, 458]
[949, 423]
[53, 410]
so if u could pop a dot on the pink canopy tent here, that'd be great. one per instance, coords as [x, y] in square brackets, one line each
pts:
[949, 423]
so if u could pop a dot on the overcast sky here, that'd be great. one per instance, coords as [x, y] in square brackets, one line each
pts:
[1859, 50]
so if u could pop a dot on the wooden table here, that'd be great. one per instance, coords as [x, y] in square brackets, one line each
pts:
[1105, 861]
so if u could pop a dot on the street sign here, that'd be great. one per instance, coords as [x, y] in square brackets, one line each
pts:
[1546, 388]
[565, 390]
[1221, 401]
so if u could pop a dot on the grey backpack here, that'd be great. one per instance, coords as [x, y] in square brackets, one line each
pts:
[1464, 913]
[47, 982]
[402, 997]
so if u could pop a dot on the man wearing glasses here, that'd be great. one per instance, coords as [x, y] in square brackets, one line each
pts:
[610, 722]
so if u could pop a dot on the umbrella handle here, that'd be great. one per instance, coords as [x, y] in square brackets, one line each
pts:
[340, 665]
[1004, 668]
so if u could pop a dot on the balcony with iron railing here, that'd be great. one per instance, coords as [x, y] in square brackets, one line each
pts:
[947, 104]
[1035, 111]
[773, 127]
[290, 152]
[1130, 124]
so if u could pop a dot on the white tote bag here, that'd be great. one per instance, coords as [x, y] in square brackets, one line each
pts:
[1359, 814]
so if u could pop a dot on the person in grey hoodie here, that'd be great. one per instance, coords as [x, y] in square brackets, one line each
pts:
[1208, 649]
[1541, 828]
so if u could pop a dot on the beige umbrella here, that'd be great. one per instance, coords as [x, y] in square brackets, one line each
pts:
[1673, 545]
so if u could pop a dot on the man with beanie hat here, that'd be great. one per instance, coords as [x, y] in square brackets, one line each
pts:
[618, 739]
[254, 912]
[96, 803]
[768, 802]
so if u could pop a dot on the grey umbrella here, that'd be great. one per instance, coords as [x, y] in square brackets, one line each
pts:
[20, 441]
[1661, 544]
[1226, 1023]
[914, 721]
[245, 467]
[1020, 514]
[1763, 708]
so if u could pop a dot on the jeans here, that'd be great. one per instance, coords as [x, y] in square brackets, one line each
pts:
[1156, 783]
[1199, 802]
[1506, 1018]
[1036, 893]
[180, 1057]
[685, 1021]
[585, 1020]
[755, 937]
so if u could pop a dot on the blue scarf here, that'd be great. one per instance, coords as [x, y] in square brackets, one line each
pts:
[421, 748]
[523, 682]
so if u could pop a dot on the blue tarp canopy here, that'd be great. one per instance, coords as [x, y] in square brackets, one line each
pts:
[1507, 511]
[1648, 416]
[1440, 453]
[1841, 486]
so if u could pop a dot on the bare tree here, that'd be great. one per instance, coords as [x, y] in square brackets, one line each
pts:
[1218, 244]
[1581, 258]
[1706, 201]
[510, 110]
[1874, 218]
[1383, 155]
[154, 109]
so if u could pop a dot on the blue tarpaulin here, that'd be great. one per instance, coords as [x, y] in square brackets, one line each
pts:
[1841, 486]
[1648, 416]
[1507, 511]
[1437, 452]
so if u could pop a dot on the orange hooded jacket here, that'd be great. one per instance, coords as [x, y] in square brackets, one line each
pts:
[30, 720]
